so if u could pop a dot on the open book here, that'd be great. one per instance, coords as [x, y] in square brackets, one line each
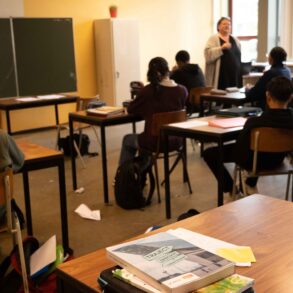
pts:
[106, 111]
[170, 263]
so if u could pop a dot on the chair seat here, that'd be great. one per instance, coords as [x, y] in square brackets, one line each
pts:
[282, 169]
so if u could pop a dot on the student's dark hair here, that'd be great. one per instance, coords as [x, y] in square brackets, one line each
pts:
[280, 88]
[182, 56]
[222, 19]
[158, 69]
[278, 54]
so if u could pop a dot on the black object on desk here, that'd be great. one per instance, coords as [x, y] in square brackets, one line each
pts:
[239, 112]
[111, 284]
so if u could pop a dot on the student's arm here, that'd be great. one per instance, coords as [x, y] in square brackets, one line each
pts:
[257, 92]
[16, 155]
[10, 154]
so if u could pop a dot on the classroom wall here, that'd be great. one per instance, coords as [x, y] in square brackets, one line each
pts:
[165, 26]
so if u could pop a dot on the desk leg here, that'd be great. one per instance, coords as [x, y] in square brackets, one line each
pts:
[63, 205]
[73, 165]
[133, 127]
[104, 164]
[185, 175]
[201, 107]
[27, 202]
[221, 173]
[56, 114]
[7, 112]
[167, 176]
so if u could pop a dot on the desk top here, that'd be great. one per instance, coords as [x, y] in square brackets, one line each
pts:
[36, 152]
[259, 221]
[14, 103]
[83, 116]
[233, 97]
[196, 125]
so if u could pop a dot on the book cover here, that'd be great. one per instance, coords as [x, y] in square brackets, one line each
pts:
[232, 284]
[169, 263]
[105, 111]
[228, 122]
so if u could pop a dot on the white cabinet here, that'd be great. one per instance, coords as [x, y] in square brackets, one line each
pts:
[117, 58]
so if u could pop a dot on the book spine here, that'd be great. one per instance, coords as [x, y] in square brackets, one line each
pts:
[139, 274]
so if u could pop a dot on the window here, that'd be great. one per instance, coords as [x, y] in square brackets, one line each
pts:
[244, 18]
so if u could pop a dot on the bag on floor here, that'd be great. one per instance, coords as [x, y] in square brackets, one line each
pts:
[130, 181]
[10, 271]
[64, 144]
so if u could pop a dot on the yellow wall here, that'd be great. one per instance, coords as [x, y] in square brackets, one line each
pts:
[166, 26]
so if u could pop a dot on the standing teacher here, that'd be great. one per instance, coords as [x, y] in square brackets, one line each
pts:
[223, 58]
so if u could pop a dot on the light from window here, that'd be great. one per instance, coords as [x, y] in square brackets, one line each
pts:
[245, 17]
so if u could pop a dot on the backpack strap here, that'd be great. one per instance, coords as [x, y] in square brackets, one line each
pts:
[152, 185]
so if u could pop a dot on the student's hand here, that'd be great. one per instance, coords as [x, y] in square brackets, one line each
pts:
[248, 86]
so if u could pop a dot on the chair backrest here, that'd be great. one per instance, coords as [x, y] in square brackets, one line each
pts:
[268, 139]
[6, 192]
[135, 87]
[271, 140]
[194, 94]
[163, 118]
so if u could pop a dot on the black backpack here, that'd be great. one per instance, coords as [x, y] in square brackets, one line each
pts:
[130, 181]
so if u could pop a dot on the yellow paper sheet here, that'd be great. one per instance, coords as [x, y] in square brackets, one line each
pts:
[237, 254]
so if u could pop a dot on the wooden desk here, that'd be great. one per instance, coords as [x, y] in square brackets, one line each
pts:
[9, 105]
[102, 122]
[38, 157]
[236, 98]
[259, 221]
[204, 134]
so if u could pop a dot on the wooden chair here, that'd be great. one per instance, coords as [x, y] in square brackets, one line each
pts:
[81, 104]
[12, 225]
[267, 139]
[158, 120]
[194, 97]
[135, 87]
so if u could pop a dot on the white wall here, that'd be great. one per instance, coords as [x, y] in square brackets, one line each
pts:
[167, 26]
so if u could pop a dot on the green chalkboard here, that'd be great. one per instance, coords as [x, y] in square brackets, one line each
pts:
[7, 74]
[44, 55]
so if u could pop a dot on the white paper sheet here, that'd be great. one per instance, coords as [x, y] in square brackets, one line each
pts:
[26, 99]
[49, 97]
[207, 243]
[87, 213]
[45, 255]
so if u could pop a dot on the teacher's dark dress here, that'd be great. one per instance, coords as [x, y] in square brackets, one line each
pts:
[230, 69]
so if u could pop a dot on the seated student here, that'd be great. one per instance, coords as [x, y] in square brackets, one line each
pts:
[279, 94]
[161, 95]
[10, 156]
[257, 93]
[185, 73]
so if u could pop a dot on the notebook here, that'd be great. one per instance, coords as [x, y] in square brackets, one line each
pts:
[228, 122]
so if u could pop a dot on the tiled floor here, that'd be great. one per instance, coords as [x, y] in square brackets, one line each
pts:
[116, 224]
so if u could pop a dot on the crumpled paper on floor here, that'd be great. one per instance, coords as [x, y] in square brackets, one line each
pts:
[85, 212]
